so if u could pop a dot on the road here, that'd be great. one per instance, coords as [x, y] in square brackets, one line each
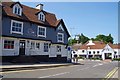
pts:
[86, 69]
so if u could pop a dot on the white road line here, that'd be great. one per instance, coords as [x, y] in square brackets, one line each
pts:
[97, 65]
[54, 75]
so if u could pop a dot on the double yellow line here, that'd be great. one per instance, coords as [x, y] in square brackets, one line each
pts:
[111, 73]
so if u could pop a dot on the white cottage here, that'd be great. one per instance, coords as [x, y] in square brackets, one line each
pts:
[98, 49]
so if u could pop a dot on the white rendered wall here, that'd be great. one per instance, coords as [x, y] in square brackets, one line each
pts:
[10, 52]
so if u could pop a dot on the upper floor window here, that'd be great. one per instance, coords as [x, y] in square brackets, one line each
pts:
[93, 52]
[115, 52]
[41, 31]
[83, 51]
[17, 9]
[89, 52]
[16, 27]
[98, 52]
[8, 44]
[60, 37]
[41, 16]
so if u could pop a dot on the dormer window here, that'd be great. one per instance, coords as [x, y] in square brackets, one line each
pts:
[17, 9]
[41, 16]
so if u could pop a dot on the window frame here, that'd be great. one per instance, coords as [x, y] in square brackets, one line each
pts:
[47, 47]
[17, 9]
[62, 37]
[59, 48]
[32, 45]
[41, 16]
[37, 45]
[12, 21]
[8, 48]
[44, 32]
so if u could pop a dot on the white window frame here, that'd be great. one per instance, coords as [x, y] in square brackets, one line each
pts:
[41, 16]
[47, 46]
[4, 43]
[59, 48]
[18, 7]
[62, 37]
[16, 31]
[44, 32]
[37, 45]
[32, 46]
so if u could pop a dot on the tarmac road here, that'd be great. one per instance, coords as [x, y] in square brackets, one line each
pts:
[86, 69]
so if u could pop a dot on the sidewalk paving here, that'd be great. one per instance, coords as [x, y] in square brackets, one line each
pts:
[15, 67]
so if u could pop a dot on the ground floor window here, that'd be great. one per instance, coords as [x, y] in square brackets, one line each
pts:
[38, 45]
[32, 45]
[8, 44]
[58, 48]
[46, 47]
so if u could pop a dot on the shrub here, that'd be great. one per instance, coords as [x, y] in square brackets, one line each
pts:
[116, 59]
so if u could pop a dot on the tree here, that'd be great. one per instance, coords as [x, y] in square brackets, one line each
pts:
[83, 39]
[105, 39]
[71, 41]
[109, 39]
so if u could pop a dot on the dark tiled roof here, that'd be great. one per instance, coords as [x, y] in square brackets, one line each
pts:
[29, 14]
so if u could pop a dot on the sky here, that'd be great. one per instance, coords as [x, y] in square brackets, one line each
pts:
[89, 18]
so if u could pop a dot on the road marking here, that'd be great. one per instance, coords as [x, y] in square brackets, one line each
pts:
[54, 75]
[110, 74]
[97, 65]
[36, 69]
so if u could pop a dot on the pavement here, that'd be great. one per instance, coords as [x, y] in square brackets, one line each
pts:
[16, 67]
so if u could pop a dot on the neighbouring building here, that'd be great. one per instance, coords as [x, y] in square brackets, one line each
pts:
[32, 35]
[97, 49]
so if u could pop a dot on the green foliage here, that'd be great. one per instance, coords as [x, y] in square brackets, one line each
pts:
[116, 59]
[83, 39]
[106, 39]
[71, 41]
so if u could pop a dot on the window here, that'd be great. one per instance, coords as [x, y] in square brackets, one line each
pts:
[41, 31]
[46, 47]
[16, 27]
[83, 51]
[17, 9]
[38, 45]
[8, 44]
[60, 37]
[115, 52]
[89, 52]
[32, 45]
[58, 48]
[41, 16]
[98, 52]
[93, 52]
